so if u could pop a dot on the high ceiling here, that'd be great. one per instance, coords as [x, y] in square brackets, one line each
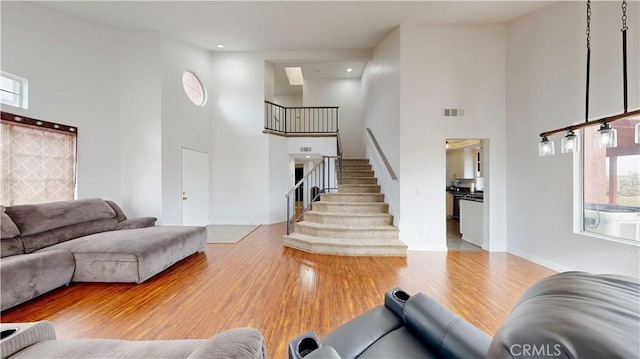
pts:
[290, 25]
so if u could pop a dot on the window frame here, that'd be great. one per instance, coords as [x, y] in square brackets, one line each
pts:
[579, 197]
[41, 125]
[23, 91]
[199, 83]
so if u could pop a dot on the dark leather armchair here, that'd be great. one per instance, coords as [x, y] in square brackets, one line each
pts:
[567, 315]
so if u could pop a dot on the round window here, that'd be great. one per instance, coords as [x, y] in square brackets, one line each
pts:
[193, 88]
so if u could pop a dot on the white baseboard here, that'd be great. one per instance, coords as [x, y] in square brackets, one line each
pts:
[429, 248]
[541, 261]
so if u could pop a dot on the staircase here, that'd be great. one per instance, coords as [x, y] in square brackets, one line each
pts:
[353, 221]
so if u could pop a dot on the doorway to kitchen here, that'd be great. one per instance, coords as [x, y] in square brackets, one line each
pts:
[464, 185]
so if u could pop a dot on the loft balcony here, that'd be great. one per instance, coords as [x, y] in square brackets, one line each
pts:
[300, 121]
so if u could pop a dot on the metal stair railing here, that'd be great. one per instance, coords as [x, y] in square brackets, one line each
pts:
[318, 180]
[300, 120]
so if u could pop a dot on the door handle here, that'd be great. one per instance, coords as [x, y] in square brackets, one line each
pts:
[184, 196]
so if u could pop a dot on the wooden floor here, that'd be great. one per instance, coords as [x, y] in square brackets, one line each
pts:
[280, 291]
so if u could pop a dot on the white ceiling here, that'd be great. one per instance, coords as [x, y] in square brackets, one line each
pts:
[316, 70]
[290, 25]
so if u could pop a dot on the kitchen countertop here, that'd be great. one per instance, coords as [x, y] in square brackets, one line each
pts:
[473, 199]
[465, 194]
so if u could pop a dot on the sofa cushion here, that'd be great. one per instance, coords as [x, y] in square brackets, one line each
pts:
[120, 216]
[573, 315]
[8, 228]
[26, 276]
[132, 255]
[38, 218]
[38, 241]
[239, 343]
[355, 336]
[139, 222]
[108, 348]
[11, 247]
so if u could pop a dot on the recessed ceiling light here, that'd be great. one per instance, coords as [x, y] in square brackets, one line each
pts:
[220, 46]
[349, 69]
[308, 156]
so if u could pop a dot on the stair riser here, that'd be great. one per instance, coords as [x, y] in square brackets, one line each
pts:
[347, 234]
[350, 197]
[348, 161]
[349, 173]
[346, 219]
[356, 167]
[351, 208]
[359, 180]
[346, 250]
[360, 189]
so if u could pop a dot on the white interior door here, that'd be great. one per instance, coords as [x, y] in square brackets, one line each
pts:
[195, 188]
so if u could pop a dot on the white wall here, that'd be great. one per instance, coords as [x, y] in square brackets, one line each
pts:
[346, 94]
[269, 82]
[546, 60]
[288, 100]
[183, 123]
[240, 151]
[141, 125]
[123, 90]
[74, 79]
[450, 66]
[279, 178]
[381, 91]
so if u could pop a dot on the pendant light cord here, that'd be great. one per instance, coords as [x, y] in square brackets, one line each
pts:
[624, 55]
[588, 32]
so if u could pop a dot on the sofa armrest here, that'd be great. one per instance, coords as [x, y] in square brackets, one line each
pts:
[140, 222]
[245, 343]
[443, 330]
[26, 335]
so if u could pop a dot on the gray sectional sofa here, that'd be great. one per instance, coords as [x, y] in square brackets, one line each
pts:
[45, 246]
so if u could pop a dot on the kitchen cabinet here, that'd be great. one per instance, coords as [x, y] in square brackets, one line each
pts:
[471, 221]
[449, 205]
[464, 163]
[455, 164]
[477, 163]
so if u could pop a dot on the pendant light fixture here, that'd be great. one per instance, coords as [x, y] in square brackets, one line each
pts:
[546, 147]
[570, 143]
[607, 136]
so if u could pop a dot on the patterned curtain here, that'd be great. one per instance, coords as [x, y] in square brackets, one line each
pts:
[38, 164]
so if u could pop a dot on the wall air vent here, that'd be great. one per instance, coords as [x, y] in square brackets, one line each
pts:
[452, 112]
[305, 149]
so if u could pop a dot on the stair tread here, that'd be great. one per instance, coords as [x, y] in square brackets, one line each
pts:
[352, 194]
[358, 185]
[353, 203]
[369, 227]
[342, 214]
